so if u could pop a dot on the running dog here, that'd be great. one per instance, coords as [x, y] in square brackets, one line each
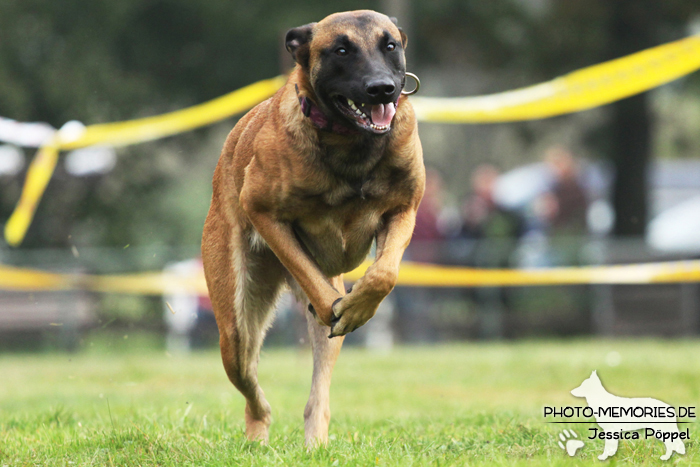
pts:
[608, 409]
[306, 182]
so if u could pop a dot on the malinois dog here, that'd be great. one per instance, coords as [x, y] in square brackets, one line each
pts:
[306, 182]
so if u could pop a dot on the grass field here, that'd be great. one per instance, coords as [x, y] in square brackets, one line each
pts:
[467, 404]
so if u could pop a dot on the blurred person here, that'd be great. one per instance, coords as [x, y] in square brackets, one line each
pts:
[562, 212]
[483, 218]
[427, 229]
[188, 317]
[567, 203]
[415, 305]
[556, 217]
[495, 232]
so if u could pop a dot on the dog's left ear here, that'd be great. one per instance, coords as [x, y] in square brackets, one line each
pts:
[404, 39]
[297, 43]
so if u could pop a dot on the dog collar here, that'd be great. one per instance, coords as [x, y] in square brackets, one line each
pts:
[319, 119]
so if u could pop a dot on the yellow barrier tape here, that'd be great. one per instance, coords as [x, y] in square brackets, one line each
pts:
[147, 283]
[150, 283]
[160, 126]
[428, 275]
[410, 274]
[125, 133]
[12, 278]
[38, 176]
[583, 89]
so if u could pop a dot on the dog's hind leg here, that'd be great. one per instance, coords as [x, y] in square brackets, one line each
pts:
[244, 284]
[317, 414]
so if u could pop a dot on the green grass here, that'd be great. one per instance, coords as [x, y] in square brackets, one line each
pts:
[471, 404]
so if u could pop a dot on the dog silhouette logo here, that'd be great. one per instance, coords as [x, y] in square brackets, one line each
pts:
[622, 417]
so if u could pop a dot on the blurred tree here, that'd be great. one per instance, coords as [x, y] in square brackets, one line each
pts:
[542, 39]
[632, 27]
[102, 61]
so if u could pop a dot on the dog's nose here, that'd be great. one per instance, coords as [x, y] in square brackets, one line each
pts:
[380, 88]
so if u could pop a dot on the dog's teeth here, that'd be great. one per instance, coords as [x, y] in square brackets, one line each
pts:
[377, 127]
[353, 106]
[351, 103]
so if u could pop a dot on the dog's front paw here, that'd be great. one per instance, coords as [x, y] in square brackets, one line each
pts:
[351, 312]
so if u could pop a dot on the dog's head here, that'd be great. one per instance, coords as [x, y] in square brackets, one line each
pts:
[355, 64]
[589, 387]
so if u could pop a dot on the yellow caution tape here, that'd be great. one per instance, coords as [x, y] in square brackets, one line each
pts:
[410, 274]
[416, 274]
[38, 176]
[160, 126]
[125, 133]
[583, 89]
[29, 279]
[149, 283]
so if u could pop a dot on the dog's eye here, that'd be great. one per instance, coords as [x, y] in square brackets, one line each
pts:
[342, 51]
[390, 46]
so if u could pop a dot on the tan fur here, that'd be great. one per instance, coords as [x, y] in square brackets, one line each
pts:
[280, 215]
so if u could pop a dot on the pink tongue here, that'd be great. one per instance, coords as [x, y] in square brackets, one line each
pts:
[382, 114]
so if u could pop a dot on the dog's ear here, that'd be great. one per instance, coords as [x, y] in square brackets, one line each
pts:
[404, 38]
[297, 43]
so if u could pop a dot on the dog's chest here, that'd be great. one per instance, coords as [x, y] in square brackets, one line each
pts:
[339, 236]
[338, 221]
[359, 190]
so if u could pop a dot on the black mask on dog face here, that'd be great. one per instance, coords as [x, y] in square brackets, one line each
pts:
[356, 66]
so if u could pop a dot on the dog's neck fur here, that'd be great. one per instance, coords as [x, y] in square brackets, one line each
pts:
[354, 160]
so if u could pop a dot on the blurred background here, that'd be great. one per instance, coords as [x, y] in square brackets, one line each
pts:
[616, 184]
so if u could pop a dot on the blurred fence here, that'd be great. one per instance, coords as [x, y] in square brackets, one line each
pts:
[660, 299]
[410, 314]
[30, 318]
[613, 309]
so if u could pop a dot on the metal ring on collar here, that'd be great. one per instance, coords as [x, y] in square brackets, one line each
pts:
[415, 78]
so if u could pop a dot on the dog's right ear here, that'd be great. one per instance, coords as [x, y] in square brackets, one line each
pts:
[297, 43]
[404, 38]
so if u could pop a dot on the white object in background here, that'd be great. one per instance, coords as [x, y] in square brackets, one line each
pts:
[30, 135]
[677, 230]
[11, 160]
[93, 160]
[180, 308]
[380, 335]
[600, 217]
[71, 131]
[518, 187]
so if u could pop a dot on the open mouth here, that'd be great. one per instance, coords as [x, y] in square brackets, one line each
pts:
[376, 118]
